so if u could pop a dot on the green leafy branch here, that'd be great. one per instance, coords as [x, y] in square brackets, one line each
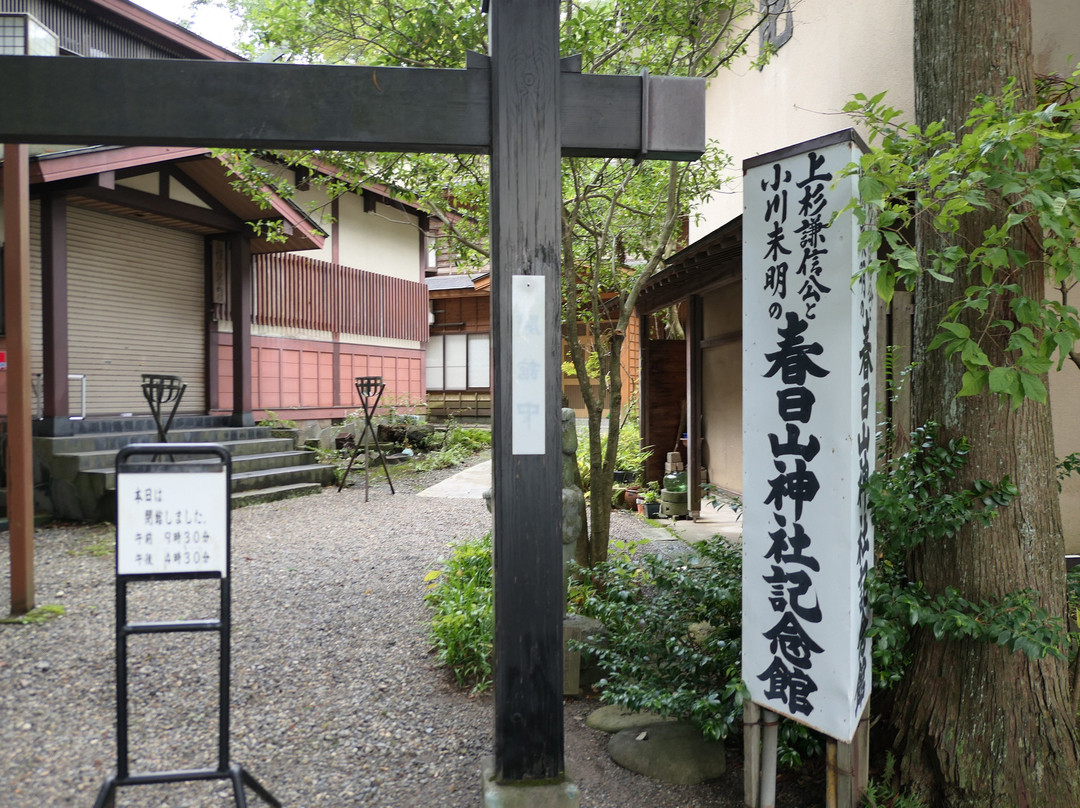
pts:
[1016, 621]
[1023, 165]
[911, 502]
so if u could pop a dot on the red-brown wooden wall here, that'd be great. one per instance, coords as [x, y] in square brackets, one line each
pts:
[295, 378]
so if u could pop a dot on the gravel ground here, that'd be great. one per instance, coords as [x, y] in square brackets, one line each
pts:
[336, 698]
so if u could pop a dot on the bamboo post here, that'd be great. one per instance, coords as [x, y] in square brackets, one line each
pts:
[830, 773]
[770, 722]
[851, 765]
[751, 754]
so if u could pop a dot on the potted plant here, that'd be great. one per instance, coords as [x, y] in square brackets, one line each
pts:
[652, 499]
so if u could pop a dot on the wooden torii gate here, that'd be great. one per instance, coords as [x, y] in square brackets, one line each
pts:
[524, 106]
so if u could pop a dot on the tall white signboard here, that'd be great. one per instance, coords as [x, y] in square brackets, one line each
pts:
[808, 437]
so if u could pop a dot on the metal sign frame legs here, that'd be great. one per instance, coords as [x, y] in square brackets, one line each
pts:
[197, 549]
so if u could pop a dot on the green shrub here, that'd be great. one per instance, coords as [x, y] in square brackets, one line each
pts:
[471, 439]
[462, 597]
[442, 459]
[459, 444]
[883, 795]
[271, 420]
[675, 640]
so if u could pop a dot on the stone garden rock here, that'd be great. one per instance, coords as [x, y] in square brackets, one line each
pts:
[613, 718]
[673, 753]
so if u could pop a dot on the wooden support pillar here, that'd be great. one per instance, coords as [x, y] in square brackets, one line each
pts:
[695, 331]
[645, 392]
[54, 317]
[240, 287]
[20, 461]
[525, 225]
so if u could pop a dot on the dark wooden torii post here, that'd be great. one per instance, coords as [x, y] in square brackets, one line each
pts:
[527, 109]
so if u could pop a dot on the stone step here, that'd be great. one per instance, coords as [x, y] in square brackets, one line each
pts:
[239, 499]
[104, 441]
[250, 470]
[278, 459]
[78, 472]
[145, 423]
[106, 458]
[266, 478]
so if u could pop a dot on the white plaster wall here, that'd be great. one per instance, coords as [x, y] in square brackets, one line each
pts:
[386, 241]
[836, 50]
[1056, 45]
[147, 183]
[1055, 35]
[316, 205]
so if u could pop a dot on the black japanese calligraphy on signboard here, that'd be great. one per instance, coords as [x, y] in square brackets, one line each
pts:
[808, 435]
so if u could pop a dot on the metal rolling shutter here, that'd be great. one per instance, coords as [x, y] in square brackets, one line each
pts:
[135, 305]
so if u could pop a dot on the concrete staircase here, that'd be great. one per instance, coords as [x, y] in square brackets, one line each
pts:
[75, 476]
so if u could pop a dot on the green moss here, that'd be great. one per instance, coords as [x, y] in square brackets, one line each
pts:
[42, 614]
[100, 542]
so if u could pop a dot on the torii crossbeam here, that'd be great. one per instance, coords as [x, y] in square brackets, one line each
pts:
[527, 109]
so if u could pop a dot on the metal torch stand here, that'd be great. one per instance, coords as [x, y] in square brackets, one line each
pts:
[163, 393]
[370, 390]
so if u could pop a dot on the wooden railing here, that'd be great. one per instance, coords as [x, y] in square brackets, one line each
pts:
[293, 291]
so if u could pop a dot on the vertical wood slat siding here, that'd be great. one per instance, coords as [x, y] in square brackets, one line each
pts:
[37, 350]
[294, 291]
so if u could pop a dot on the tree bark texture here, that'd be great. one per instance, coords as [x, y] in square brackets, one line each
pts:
[978, 725]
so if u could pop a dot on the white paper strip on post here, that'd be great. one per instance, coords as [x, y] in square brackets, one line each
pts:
[808, 438]
[527, 363]
[169, 523]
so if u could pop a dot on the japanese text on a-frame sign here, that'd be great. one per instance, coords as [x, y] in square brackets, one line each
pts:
[169, 523]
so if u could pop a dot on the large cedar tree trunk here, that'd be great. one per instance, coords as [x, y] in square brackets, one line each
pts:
[978, 725]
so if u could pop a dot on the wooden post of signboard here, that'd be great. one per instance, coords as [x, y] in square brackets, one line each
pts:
[751, 754]
[853, 766]
[526, 191]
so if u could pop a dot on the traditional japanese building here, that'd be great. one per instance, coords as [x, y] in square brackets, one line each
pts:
[149, 261]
